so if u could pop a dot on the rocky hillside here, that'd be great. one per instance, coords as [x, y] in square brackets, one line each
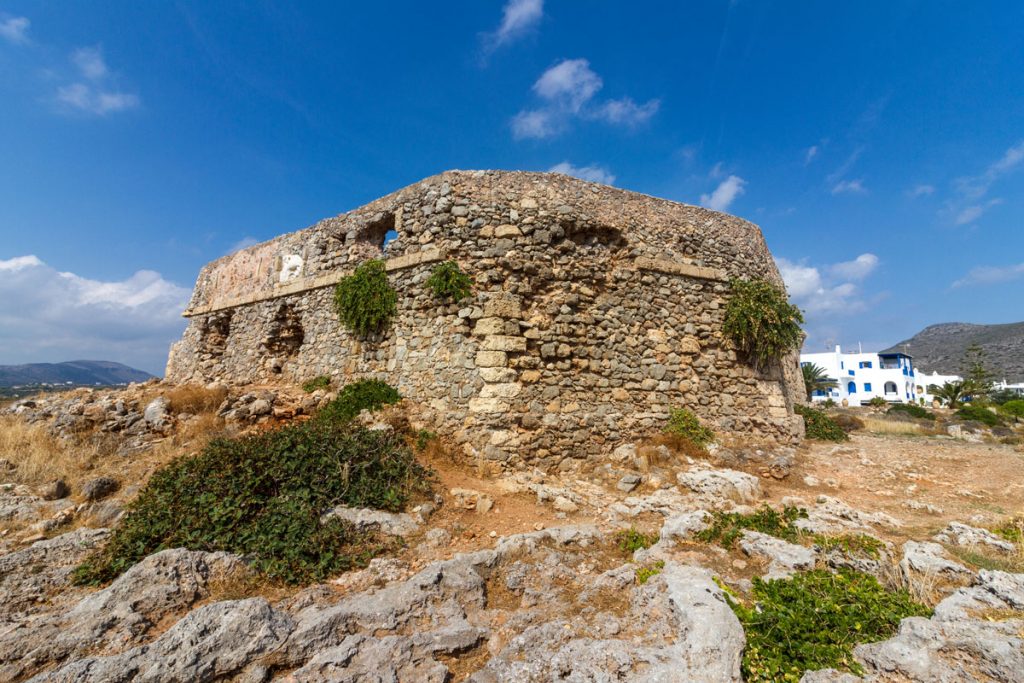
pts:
[78, 372]
[941, 348]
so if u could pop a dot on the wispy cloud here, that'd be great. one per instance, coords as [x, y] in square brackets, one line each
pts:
[849, 187]
[94, 92]
[831, 289]
[567, 90]
[243, 243]
[594, 173]
[48, 315]
[15, 30]
[840, 172]
[724, 195]
[811, 154]
[970, 204]
[990, 275]
[518, 18]
[922, 190]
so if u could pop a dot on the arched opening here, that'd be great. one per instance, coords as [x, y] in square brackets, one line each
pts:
[851, 388]
[379, 231]
[890, 388]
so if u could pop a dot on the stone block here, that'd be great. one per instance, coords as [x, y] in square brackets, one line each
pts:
[486, 326]
[503, 307]
[491, 359]
[502, 390]
[488, 405]
[497, 342]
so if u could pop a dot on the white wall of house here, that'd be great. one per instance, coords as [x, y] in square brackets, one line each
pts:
[863, 376]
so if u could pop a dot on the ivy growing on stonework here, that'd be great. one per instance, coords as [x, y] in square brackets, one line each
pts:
[761, 322]
[366, 302]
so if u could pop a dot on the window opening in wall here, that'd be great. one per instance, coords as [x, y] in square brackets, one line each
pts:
[286, 333]
[380, 231]
[215, 331]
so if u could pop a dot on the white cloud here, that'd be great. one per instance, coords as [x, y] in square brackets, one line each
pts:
[593, 173]
[828, 290]
[627, 112]
[95, 94]
[857, 269]
[243, 243]
[811, 153]
[15, 30]
[989, 275]
[723, 195]
[922, 190]
[849, 187]
[568, 90]
[973, 212]
[46, 315]
[518, 17]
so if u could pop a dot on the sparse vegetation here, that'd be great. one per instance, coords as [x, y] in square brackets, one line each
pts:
[879, 425]
[852, 545]
[643, 574]
[263, 495]
[367, 394]
[365, 301]
[194, 399]
[761, 322]
[847, 422]
[684, 423]
[630, 540]
[320, 382]
[911, 409]
[819, 425]
[727, 527]
[979, 414]
[1012, 530]
[813, 621]
[878, 402]
[447, 281]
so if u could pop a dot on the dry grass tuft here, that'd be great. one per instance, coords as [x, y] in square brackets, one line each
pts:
[38, 457]
[882, 426]
[194, 399]
[927, 588]
[985, 557]
[679, 446]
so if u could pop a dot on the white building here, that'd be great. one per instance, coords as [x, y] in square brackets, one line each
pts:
[863, 376]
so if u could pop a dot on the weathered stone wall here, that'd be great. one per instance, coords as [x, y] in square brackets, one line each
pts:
[595, 310]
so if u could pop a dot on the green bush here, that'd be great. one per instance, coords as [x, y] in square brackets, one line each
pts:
[643, 574]
[682, 422]
[813, 621]
[878, 402]
[761, 322]
[820, 426]
[851, 544]
[367, 394]
[447, 281]
[911, 409]
[727, 527]
[630, 540]
[365, 301]
[979, 414]
[262, 496]
[321, 382]
[1014, 408]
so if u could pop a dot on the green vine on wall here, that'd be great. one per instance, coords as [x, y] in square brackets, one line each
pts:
[761, 322]
[447, 281]
[365, 300]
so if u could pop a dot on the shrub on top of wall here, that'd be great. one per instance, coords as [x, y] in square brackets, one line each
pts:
[761, 322]
[365, 300]
[447, 281]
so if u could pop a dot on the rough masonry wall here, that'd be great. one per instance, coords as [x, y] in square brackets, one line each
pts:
[595, 311]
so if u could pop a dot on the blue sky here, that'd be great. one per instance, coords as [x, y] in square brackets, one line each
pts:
[879, 145]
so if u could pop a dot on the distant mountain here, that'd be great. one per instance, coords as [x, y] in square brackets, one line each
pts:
[75, 371]
[941, 348]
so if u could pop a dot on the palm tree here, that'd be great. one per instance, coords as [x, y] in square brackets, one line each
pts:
[952, 393]
[815, 379]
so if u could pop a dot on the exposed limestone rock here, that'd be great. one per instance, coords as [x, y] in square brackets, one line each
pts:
[930, 559]
[722, 485]
[394, 523]
[961, 534]
[784, 558]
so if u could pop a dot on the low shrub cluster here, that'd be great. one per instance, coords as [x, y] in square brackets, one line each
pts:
[847, 422]
[366, 301]
[1012, 530]
[630, 540]
[683, 423]
[643, 574]
[447, 281]
[263, 496]
[852, 545]
[761, 322]
[814, 619]
[367, 394]
[321, 382]
[820, 426]
[1014, 409]
[911, 409]
[878, 402]
[979, 414]
[727, 527]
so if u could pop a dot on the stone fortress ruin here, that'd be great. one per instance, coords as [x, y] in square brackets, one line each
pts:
[594, 312]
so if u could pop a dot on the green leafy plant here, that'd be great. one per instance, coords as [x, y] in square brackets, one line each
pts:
[423, 439]
[447, 281]
[321, 382]
[1012, 530]
[878, 402]
[366, 301]
[643, 574]
[761, 322]
[367, 394]
[951, 393]
[682, 422]
[851, 544]
[911, 409]
[1014, 409]
[820, 426]
[263, 496]
[726, 527]
[816, 379]
[814, 619]
[630, 540]
[979, 414]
